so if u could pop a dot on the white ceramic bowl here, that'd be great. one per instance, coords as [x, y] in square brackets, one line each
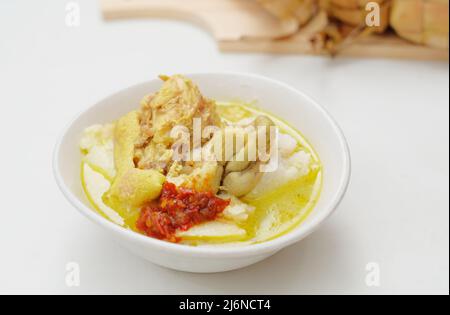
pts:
[298, 109]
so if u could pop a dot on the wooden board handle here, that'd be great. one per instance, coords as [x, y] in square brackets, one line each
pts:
[243, 25]
[225, 19]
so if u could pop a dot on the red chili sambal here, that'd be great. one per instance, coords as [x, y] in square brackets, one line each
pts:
[178, 209]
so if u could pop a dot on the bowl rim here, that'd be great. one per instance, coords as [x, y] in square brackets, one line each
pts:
[274, 245]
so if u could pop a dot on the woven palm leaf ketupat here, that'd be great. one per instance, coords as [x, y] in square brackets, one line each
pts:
[354, 13]
[424, 22]
[354, 4]
[421, 21]
[300, 11]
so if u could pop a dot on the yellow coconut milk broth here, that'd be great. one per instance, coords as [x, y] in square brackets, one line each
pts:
[291, 203]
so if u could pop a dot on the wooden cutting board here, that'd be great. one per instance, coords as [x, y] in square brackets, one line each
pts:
[242, 25]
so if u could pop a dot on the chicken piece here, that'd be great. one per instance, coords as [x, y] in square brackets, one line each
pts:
[205, 175]
[177, 104]
[200, 176]
[225, 154]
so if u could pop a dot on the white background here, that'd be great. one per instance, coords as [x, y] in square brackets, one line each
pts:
[394, 113]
